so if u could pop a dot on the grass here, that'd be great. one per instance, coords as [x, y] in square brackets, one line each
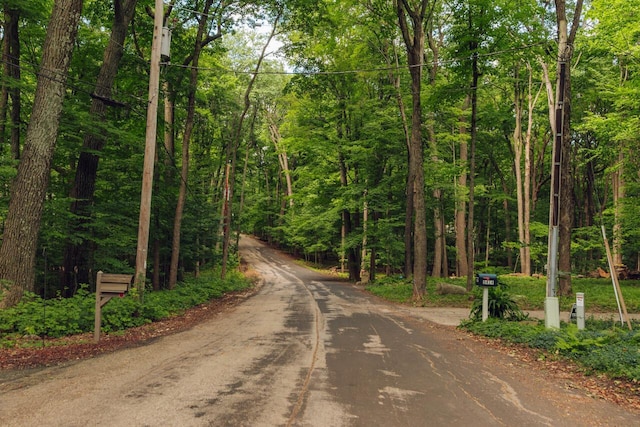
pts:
[529, 292]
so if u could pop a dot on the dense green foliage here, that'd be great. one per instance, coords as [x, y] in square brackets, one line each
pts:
[67, 316]
[316, 137]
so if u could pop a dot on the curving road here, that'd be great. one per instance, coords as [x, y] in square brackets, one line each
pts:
[305, 350]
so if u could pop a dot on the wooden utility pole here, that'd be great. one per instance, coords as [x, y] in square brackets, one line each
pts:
[149, 150]
[551, 306]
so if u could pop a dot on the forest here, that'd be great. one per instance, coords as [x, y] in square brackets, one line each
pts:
[382, 137]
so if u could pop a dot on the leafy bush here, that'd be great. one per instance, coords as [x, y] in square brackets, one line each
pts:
[501, 304]
[67, 316]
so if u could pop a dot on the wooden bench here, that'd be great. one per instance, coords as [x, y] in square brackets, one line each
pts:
[107, 287]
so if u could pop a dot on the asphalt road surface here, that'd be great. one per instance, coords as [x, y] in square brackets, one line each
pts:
[304, 351]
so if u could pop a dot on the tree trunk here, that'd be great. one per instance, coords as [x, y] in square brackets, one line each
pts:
[408, 222]
[517, 144]
[472, 162]
[186, 139]
[22, 226]
[77, 256]
[414, 38]
[618, 197]
[528, 167]
[461, 205]
[440, 245]
[565, 51]
[169, 148]
[11, 52]
[353, 259]
[440, 262]
[274, 132]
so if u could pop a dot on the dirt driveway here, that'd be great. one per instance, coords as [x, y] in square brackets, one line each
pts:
[305, 350]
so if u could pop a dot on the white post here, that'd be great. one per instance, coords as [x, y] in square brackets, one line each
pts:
[485, 303]
[580, 310]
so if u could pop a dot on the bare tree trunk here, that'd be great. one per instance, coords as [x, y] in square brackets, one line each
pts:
[274, 119]
[22, 226]
[618, 197]
[440, 262]
[169, 148]
[440, 244]
[353, 264]
[365, 224]
[528, 166]
[517, 144]
[6, 70]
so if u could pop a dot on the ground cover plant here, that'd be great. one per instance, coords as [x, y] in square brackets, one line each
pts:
[59, 317]
[600, 348]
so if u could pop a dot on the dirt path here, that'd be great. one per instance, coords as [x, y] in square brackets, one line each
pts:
[305, 350]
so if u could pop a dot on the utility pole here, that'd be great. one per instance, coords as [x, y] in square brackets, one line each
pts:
[226, 227]
[149, 150]
[551, 303]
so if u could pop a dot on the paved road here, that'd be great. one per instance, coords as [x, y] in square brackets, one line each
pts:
[304, 351]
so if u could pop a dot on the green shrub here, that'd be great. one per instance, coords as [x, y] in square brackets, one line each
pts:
[501, 304]
[67, 316]
[600, 348]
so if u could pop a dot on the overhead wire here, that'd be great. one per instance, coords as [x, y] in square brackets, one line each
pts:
[78, 88]
[358, 70]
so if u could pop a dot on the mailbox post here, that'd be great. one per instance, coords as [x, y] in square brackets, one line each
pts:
[107, 287]
[486, 281]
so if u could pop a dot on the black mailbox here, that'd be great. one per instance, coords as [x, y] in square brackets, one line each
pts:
[484, 279]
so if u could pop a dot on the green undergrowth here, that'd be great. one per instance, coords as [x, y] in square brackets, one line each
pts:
[528, 292]
[602, 347]
[59, 317]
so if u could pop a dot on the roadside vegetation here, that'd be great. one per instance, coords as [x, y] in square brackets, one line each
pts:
[603, 347]
[59, 317]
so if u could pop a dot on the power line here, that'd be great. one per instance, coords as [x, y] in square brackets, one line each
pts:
[359, 70]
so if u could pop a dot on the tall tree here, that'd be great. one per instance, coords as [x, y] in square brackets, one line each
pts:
[522, 147]
[76, 268]
[186, 139]
[11, 84]
[19, 243]
[566, 38]
[413, 16]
